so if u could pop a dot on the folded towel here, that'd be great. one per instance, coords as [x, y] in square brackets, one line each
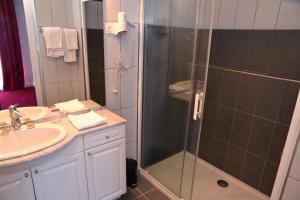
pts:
[71, 45]
[71, 39]
[70, 56]
[70, 106]
[54, 44]
[87, 120]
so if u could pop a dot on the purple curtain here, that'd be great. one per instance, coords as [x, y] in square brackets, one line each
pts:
[10, 48]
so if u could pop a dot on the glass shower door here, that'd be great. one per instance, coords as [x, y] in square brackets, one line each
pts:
[171, 72]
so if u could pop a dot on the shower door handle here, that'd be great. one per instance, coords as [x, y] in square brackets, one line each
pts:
[198, 106]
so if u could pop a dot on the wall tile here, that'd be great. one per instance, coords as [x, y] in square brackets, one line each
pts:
[241, 129]
[214, 81]
[73, 13]
[289, 14]
[131, 8]
[282, 54]
[110, 51]
[205, 146]
[210, 117]
[218, 154]
[216, 14]
[234, 161]
[245, 14]
[129, 87]
[187, 18]
[129, 47]
[49, 70]
[64, 71]
[269, 99]
[248, 92]
[292, 188]
[113, 100]
[131, 150]
[92, 15]
[240, 49]
[59, 13]
[111, 9]
[230, 86]
[52, 93]
[227, 14]
[259, 54]
[268, 178]
[277, 143]
[223, 48]
[252, 170]
[224, 123]
[260, 136]
[130, 114]
[266, 14]
[66, 91]
[43, 12]
[287, 105]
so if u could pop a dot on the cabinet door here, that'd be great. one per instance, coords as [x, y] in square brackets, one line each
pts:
[106, 171]
[17, 186]
[61, 179]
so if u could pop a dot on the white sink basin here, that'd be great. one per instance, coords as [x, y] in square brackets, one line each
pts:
[34, 113]
[26, 141]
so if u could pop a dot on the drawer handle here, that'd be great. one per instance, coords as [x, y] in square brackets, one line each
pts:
[36, 171]
[107, 137]
[26, 175]
[89, 153]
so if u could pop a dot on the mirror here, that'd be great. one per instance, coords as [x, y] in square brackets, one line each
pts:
[44, 80]
[93, 20]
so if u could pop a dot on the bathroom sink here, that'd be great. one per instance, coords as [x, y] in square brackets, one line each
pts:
[34, 113]
[26, 141]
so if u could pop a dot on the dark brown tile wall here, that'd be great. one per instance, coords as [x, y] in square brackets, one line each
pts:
[247, 116]
[95, 44]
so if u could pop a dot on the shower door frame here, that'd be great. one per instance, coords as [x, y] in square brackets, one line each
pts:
[155, 182]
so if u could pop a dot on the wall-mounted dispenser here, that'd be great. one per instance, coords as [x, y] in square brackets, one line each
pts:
[118, 28]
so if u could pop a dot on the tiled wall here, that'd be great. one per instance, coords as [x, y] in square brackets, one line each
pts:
[63, 81]
[124, 102]
[253, 82]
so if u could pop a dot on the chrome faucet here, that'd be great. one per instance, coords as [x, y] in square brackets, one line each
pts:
[15, 117]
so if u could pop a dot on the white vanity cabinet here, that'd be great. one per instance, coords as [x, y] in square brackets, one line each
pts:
[106, 170]
[91, 167]
[16, 186]
[61, 179]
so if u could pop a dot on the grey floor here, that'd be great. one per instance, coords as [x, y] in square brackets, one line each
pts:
[143, 191]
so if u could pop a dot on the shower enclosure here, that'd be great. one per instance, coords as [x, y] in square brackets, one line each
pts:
[220, 81]
[177, 37]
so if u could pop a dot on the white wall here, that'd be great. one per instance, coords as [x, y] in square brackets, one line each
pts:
[257, 14]
[63, 81]
[19, 7]
[125, 101]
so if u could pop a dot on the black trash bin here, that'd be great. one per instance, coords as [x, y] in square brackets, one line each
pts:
[131, 172]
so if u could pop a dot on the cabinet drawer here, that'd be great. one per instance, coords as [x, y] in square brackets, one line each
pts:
[104, 136]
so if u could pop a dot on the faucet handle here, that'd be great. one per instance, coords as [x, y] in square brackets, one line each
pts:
[14, 111]
[18, 113]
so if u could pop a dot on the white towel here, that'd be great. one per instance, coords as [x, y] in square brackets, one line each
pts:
[53, 37]
[70, 106]
[87, 120]
[71, 44]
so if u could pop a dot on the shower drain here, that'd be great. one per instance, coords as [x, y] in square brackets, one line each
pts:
[222, 183]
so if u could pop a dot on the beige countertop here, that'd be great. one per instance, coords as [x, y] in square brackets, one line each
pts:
[112, 120]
